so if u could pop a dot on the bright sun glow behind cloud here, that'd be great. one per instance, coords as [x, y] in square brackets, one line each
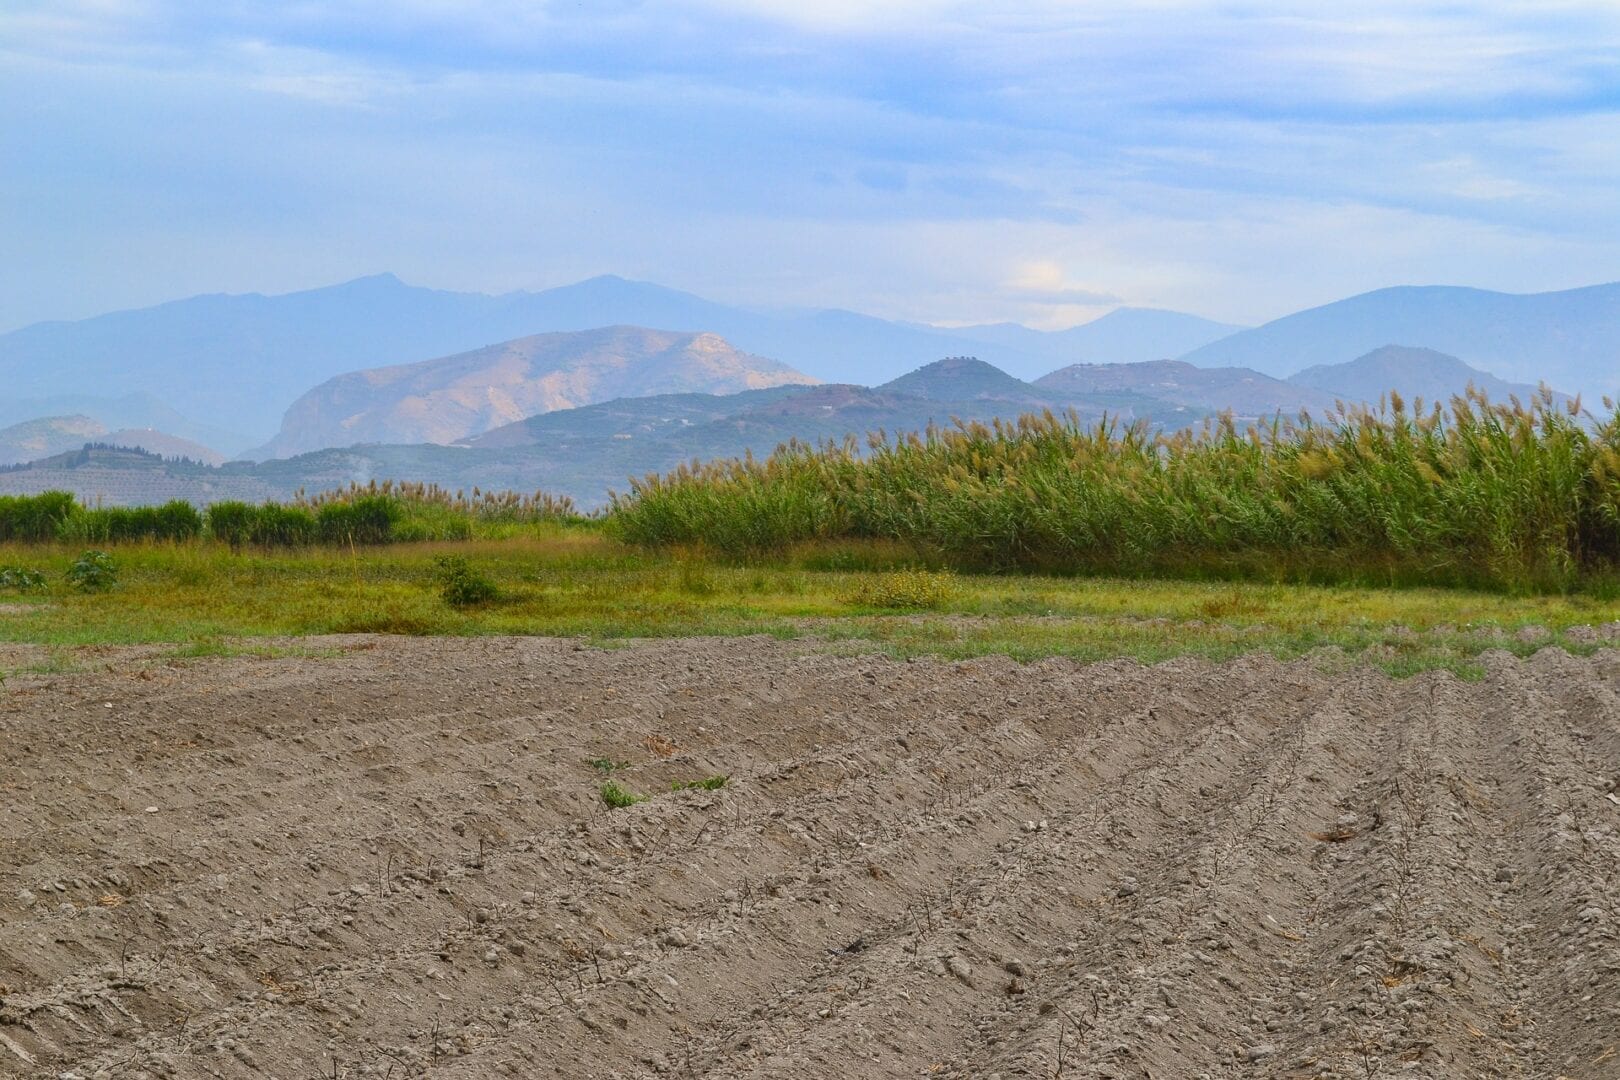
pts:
[930, 159]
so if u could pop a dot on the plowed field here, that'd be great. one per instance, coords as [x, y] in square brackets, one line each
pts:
[397, 862]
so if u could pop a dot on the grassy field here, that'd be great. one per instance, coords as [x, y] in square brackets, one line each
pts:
[576, 580]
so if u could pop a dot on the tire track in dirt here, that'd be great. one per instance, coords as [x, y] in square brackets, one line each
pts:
[396, 863]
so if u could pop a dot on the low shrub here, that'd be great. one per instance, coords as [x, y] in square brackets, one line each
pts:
[618, 797]
[93, 571]
[460, 585]
[906, 590]
[21, 578]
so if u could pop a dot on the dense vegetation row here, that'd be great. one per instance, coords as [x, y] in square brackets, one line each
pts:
[1503, 496]
[1518, 496]
[372, 514]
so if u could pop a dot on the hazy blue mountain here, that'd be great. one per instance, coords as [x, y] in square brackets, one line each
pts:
[709, 425]
[1244, 392]
[655, 415]
[966, 378]
[1569, 339]
[133, 411]
[44, 436]
[240, 361]
[1125, 336]
[1414, 373]
[47, 436]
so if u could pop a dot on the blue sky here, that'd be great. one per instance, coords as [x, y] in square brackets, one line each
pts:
[1030, 160]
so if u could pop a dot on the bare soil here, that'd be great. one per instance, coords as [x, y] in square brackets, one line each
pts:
[397, 863]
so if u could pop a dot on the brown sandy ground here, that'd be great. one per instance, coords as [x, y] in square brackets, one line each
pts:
[396, 863]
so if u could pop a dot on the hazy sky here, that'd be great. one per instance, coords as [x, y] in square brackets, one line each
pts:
[1034, 160]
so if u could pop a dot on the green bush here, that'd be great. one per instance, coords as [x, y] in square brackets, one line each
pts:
[178, 520]
[460, 585]
[93, 571]
[21, 578]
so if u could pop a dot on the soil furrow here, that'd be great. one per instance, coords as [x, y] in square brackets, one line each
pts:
[396, 862]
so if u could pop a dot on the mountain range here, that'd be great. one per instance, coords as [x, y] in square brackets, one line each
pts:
[1568, 339]
[223, 370]
[241, 361]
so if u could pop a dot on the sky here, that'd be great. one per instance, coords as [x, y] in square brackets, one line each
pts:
[1037, 161]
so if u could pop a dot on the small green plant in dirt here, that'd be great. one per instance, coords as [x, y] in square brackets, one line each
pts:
[21, 578]
[607, 766]
[711, 783]
[620, 797]
[460, 585]
[93, 571]
[906, 590]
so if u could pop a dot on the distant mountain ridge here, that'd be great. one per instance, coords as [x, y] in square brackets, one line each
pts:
[1177, 382]
[454, 397]
[1415, 374]
[1570, 339]
[46, 436]
[1123, 336]
[242, 360]
[139, 411]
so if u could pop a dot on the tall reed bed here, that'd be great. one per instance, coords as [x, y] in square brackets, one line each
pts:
[504, 506]
[1507, 496]
[368, 514]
